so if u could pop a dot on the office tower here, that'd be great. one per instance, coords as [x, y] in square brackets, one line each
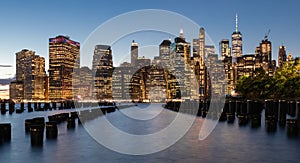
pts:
[46, 87]
[224, 48]
[263, 57]
[121, 85]
[181, 68]
[148, 84]
[85, 84]
[290, 57]
[102, 72]
[248, 65]
[21, 63]
[196, 49]
[16, 91]
[164, 49]
[209, 49]
[229, 74]
[266, 51]
[64, 62]
[30, 76]
[202, 47]
[134, 53]
[142, 62]
[216, 77]
[34, 84]
[281, 56]
[236, 41]
[164, 54]
[199, 63]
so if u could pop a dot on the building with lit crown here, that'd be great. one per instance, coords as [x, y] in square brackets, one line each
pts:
[64, 62]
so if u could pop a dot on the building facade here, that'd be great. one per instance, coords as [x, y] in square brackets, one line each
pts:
[225, 49]
[64, 62]
[134, 53]
[30, 77]
[102, 72]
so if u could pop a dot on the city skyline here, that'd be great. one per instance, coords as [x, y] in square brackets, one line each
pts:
[218, 21]
[139, 75]
[72, 21]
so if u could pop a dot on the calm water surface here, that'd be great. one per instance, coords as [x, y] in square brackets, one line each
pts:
[227, 143]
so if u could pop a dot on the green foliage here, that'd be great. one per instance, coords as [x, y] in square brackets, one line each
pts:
[284, 84]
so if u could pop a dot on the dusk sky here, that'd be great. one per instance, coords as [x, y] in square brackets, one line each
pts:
[29, 24]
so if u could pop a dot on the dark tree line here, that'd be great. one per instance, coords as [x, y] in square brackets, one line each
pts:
[285, 84]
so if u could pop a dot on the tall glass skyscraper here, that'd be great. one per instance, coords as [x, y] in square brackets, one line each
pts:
[102, 72]
[237, 43]
[64, 60]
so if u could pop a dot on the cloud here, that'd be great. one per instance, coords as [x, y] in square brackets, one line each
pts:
[5, 65]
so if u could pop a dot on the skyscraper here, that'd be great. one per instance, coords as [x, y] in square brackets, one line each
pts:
[236, 41]
[209, 49]
[202, 47]
[164, 48]
[102, 72]
[266, 51]
[134, 53]
[21, 61]
[34, 85]
[281, 56]
[263, 56]
[225, 52]
[30, 76]
[199, 64]
[180, 67]
[224, 48]
[164, 53]
[85, 86]
[64, 63]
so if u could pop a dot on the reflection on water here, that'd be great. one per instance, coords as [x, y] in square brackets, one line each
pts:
[227, 143]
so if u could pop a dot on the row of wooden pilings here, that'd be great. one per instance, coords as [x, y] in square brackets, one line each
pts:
[45, 106]
[36, 126]
[277, 112]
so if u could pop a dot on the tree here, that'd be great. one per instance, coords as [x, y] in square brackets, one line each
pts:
[284, 84]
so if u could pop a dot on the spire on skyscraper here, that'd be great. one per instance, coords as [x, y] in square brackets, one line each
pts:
[236, 23]
[181, 35]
